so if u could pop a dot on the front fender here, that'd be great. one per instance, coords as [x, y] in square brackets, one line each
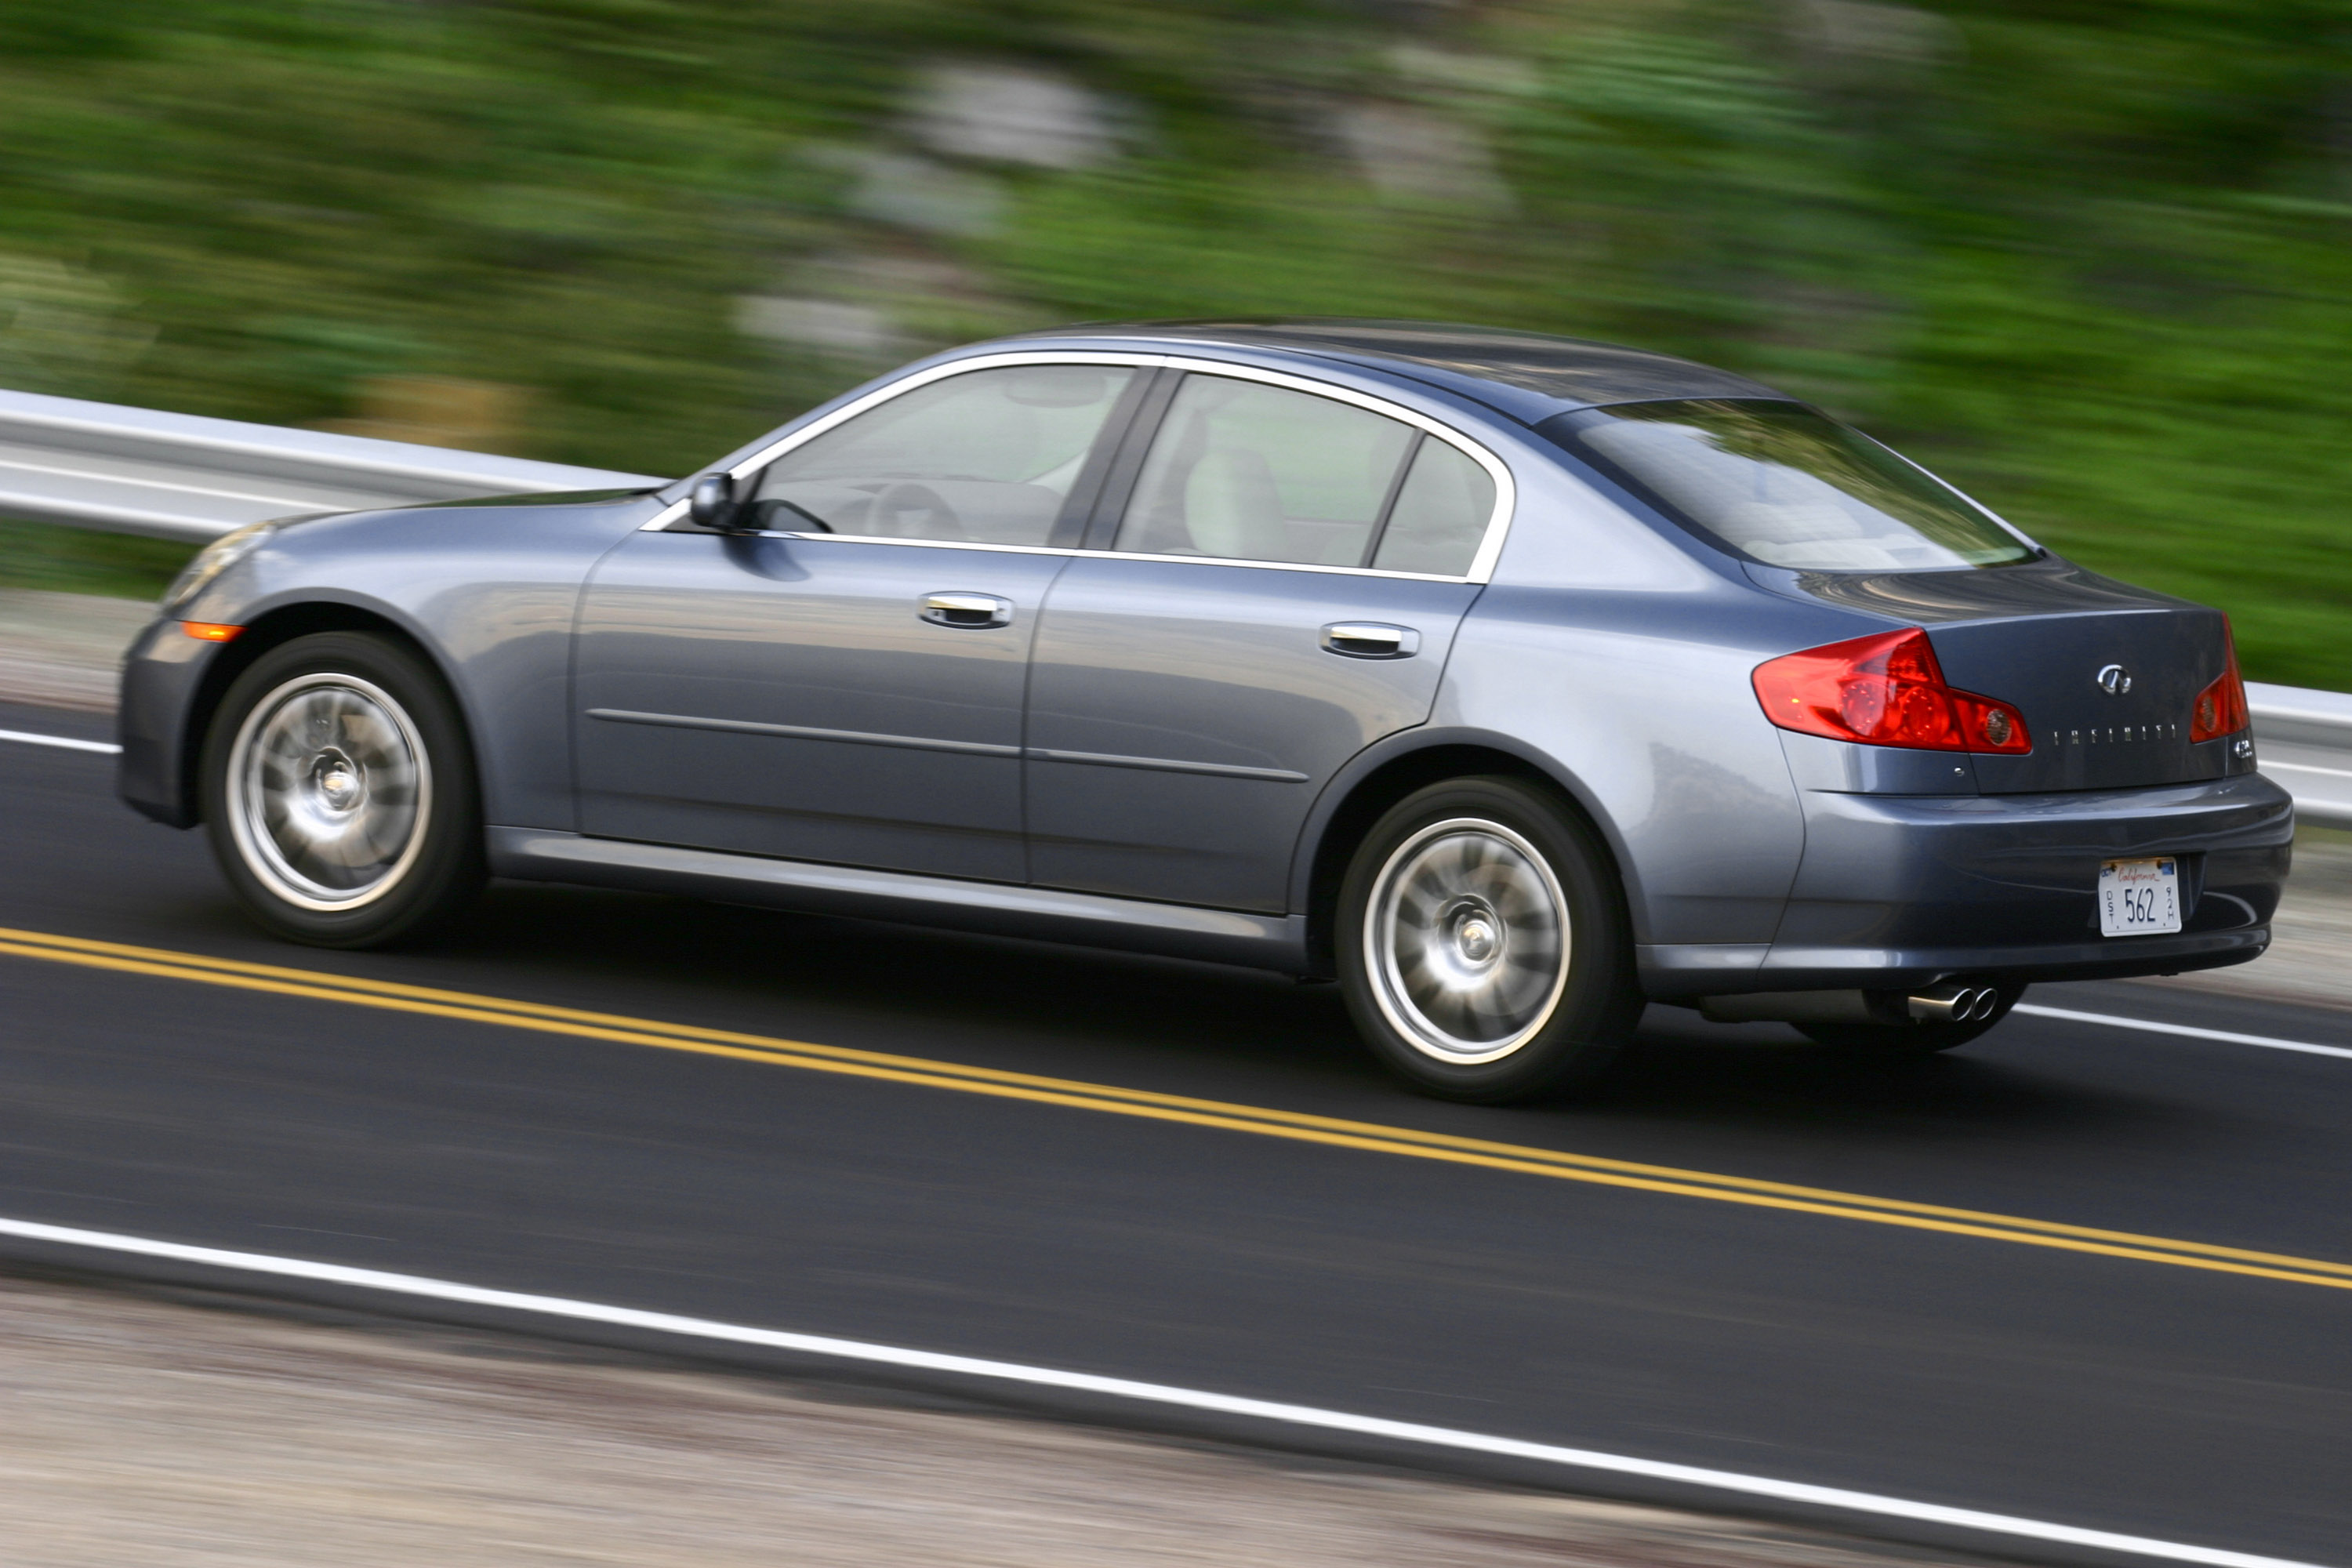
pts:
[489, 594]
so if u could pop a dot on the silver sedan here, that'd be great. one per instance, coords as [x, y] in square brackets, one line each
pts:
[1513, 682]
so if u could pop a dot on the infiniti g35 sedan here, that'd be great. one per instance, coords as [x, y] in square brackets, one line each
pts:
[1511, 681]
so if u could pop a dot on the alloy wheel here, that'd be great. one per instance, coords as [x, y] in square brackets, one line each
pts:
[330, 792]
[1469, 937]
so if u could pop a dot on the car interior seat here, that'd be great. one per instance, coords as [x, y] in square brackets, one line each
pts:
[1232, 508]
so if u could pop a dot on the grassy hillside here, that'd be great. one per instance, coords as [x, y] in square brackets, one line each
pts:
[2091, 262]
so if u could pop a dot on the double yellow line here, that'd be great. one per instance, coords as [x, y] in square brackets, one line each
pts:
[1295, 1126]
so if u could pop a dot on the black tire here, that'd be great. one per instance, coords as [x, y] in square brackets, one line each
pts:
[339, 790]
[1462, 981]
[1900, 1041]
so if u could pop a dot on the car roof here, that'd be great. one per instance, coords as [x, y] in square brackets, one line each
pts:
[1528, 375]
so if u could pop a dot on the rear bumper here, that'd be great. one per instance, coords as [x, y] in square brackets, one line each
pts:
[161, 675]
[1904, 890]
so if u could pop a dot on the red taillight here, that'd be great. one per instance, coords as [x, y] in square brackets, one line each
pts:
[1885, 690]
[2220, 708]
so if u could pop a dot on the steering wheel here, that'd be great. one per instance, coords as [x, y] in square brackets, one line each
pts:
[911, 510]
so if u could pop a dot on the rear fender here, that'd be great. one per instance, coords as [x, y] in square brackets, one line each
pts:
[1394, 767]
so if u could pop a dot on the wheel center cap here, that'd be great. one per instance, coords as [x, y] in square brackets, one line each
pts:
[1475, 937]
[337, 780]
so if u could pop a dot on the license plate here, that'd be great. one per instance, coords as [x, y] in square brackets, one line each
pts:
[2139, 897]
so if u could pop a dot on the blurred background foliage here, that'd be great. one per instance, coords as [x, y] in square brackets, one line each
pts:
[2091, 260]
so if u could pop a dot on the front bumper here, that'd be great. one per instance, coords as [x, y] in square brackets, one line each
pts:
[1898, 891]
[162, 675]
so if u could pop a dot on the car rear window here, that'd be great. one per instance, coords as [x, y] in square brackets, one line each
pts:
[1788, 486]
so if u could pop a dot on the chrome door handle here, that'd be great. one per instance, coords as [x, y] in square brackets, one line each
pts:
[1370, 639]
[966, 610]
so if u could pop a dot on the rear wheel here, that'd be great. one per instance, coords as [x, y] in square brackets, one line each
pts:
[1482, 944]
[1899, 1040]
[339, 790]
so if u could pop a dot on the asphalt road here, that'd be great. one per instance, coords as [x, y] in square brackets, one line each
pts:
[2142, 1397]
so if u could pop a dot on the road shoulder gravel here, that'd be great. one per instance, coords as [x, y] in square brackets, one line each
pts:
[63, 650]
[179, 1429]
[2310, 956]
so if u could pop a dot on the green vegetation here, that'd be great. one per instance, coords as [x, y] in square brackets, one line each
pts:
[2093, 262]
[78, 561]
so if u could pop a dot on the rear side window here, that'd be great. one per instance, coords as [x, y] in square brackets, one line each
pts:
[1440, 515]
[987, 457]
[1243, 471]
[1788, 486]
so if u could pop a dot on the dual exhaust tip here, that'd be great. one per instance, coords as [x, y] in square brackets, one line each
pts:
[1951, 1003]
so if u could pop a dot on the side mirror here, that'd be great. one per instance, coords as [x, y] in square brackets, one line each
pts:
[711, 503]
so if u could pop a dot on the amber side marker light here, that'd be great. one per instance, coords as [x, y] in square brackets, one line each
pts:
[209, 631]
[2220, 708]
[1885, 691]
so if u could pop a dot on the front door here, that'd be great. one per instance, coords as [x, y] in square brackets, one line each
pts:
[847, 685]
[1282, 591]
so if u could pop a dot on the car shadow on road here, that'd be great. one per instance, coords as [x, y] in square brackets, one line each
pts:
[1217, 1032]
[1767, 1074]
[913, 989]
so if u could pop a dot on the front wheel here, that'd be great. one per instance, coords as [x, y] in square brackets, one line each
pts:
[339, 792]
[1482, 944]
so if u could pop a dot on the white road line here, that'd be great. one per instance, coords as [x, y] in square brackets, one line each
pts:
[1148, 1392]
[65, 743]
[2224, 1035]
[2307, 768]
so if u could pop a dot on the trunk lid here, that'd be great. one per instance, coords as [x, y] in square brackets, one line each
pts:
[2105, 673]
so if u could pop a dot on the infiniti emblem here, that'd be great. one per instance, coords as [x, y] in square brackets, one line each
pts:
[2114, 680]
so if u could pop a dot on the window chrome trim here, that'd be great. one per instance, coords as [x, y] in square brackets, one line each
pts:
[1482, 565]
[1989, 515]
[1073, 551]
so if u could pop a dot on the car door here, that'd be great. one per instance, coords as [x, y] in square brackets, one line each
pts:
[1279, 590]
[845, 684]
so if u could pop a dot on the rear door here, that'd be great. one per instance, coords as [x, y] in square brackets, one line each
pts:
[1279, 589]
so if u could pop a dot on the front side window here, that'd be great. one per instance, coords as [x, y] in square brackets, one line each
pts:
[1244, 471]
[988, 457]
[1788, 486]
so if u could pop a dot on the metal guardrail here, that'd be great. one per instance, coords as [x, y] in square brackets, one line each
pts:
[178, 475]
[138, 470]
[2305, 740]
